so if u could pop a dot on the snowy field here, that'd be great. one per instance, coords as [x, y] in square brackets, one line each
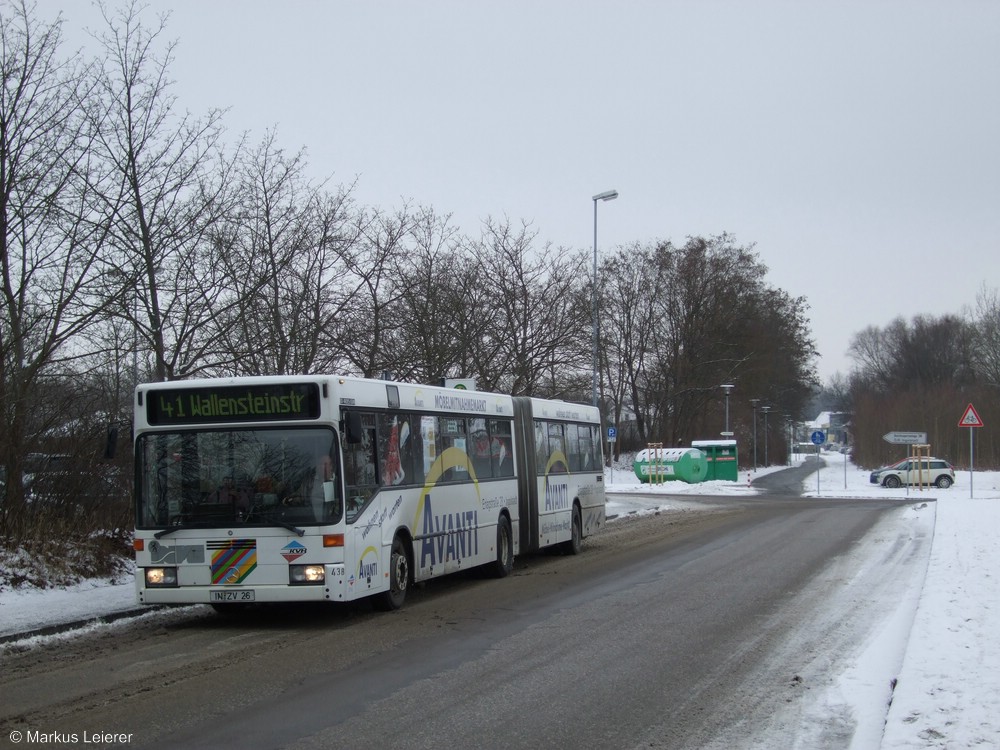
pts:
[948, 692]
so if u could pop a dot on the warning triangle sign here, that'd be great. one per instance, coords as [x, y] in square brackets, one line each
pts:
[970, 418]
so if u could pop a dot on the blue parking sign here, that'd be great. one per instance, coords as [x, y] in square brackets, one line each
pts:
[612, 434]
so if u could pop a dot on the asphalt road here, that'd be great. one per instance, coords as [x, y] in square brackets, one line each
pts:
[696, 628]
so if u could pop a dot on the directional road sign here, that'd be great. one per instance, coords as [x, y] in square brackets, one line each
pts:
[905, 438]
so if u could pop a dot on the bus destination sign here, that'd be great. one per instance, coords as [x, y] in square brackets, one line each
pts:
[244, 403]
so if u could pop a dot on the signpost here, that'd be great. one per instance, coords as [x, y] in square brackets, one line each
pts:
[818, 438]
[905, 438]
[970, 419]
[612, 437]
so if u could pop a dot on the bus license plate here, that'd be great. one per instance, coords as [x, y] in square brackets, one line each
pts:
[245, 595]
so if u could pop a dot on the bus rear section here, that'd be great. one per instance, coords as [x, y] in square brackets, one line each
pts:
[560, 473]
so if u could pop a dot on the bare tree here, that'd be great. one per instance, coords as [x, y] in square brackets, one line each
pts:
[628, 291]
[369, 327]
[438, 332]
[50, 237]
[532, 297]
[281, 262]
[682, 321]
[167, 197]
[986, 336]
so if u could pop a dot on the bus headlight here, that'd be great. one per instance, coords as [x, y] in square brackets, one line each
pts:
[161, 577]
[306, 574]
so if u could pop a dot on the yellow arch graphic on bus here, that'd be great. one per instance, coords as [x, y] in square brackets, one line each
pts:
[557, 457]
[450, 458]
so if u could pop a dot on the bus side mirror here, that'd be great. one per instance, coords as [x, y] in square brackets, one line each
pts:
[352, 425]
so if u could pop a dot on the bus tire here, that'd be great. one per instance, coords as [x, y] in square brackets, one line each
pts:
[575, 542]
[399, 579]
[504, 563]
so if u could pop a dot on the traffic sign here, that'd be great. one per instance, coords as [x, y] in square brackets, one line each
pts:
[905, 438]
[612, 434]
[970, 418]
[818, 437]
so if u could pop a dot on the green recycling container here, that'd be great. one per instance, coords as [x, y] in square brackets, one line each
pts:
[722, 463]
[662, 464]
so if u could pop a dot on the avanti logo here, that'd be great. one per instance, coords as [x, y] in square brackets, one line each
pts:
[293, 551]
[368, 565]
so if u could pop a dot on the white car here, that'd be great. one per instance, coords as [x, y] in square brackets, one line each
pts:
[934, 471]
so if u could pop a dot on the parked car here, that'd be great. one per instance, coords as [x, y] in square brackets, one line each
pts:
[934, 471]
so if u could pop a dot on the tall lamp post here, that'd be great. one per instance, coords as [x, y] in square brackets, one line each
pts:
[765, 409]
[608, 195]
[788, 428]
[755, 401]
[727, 388]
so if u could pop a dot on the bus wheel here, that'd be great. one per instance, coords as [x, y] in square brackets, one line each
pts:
[505, 549]
[575, 543]
[399, 578]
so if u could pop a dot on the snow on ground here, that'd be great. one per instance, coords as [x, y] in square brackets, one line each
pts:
[948, 691]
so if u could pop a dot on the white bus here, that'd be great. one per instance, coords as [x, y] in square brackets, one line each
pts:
[328, 488]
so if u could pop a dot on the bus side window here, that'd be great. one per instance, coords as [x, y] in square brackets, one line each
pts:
[501, 455]
[479, 448]
[360, 467]
[541, 447]
[596, 446]
[557, 450]
[394, 436]
[586, 447]
[573, 456]
[411, 450]
[430, 440]
[453, 435]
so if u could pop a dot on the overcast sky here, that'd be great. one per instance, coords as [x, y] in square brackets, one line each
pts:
[855, 144]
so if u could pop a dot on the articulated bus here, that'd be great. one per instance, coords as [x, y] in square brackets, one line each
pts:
[329, 488]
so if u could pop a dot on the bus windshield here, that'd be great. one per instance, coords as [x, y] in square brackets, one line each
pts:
[233, 477]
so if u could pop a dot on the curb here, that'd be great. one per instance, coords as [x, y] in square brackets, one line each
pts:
[65, 627]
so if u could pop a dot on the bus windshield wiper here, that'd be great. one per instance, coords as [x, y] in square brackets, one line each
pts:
[182, 527]
[262, 516]
[278, 522]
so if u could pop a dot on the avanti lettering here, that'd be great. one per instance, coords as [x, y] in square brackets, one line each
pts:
[451, 536]
[556, 495]
[368, 568]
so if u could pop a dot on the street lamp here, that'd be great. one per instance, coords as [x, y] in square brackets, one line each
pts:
[608, 195]
[755, 401]
[727, 388]
[765, 409]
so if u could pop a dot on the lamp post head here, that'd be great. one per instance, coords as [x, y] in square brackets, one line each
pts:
[727, 388]
[608, 195]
